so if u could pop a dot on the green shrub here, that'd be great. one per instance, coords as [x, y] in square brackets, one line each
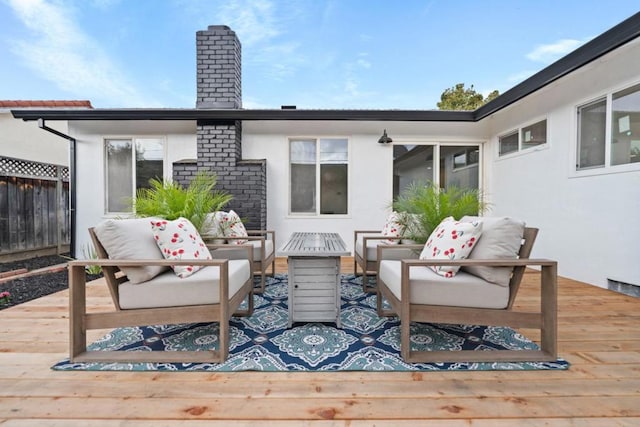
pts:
[423, 205]
[170, 200]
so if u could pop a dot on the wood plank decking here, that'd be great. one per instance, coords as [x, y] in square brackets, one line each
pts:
[599, 334]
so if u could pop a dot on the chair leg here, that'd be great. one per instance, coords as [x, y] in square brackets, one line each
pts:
[382, 312]
[365, 284]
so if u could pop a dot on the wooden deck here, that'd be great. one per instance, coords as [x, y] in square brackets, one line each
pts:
[599, 334]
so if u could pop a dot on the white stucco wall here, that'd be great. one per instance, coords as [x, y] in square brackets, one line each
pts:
[180, 144]
[26, 141]
[370, 168]
[588, 221]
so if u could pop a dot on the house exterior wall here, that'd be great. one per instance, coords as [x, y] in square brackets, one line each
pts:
[370, 168]
[588, 221]
[26, 141]
[180, 144]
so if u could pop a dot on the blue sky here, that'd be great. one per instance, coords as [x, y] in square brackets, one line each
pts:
[311, 53]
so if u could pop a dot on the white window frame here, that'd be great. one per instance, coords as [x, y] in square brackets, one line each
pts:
[520, 150]
[317, 213]
[607, 168]
[132, 139]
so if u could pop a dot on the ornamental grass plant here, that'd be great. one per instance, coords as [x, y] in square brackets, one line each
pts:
[423, 205]
[170, 200]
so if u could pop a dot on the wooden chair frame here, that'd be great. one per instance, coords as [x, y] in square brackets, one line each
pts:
[80, 321]
[368, 267]
[261, 265]
[545, 319]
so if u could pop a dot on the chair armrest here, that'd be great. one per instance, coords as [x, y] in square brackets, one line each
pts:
[109, 262]
[231, 251]
[520, 262]
[387, 251]
[266, 233]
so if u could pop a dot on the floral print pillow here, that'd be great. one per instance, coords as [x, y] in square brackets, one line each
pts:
[179, 239]
[232, 226]
[451, 240]
[392, 228]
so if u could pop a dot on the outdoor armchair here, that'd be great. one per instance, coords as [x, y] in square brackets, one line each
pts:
[145, 291]
[263, 243]
[417, 294]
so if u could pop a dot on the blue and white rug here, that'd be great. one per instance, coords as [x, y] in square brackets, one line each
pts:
[263, 342]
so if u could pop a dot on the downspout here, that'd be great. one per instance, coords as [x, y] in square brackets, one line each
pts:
[72, 181]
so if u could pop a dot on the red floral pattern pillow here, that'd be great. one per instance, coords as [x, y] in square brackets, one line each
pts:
[232, 226]
[392, 228]
[179, 239]
[451, 240]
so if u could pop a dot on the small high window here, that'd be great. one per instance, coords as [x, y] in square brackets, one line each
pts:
[524, 138]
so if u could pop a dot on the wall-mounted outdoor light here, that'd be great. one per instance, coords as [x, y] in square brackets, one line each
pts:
[385, 139]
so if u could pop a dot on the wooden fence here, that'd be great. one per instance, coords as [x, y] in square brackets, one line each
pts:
[34, 209]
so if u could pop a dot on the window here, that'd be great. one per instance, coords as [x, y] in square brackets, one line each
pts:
[444, 165]
[625, 124]
[523, 139]
[622, 130]
[592, 120]
[124, 175]
[319, 176]
[466, 157]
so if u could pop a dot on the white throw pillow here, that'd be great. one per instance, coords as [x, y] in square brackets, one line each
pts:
[392, 228]
[501, 239]
[179, 239]
[213, 225]
[233, 227]
[451, 240]
[128, 239]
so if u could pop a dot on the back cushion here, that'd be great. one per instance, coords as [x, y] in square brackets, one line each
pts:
[501, 239]
[131, 239]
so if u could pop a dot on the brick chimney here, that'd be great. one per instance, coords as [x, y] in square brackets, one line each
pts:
[219, 68]
[220, 144]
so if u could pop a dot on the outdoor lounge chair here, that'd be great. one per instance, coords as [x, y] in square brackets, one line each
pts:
[417, 294]
[365, 254]
[264, 254]
[211, 294]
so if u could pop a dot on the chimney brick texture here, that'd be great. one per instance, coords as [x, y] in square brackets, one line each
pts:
[219, 145]
[219, 73]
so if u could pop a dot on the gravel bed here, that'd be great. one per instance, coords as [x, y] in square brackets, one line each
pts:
[27, 288]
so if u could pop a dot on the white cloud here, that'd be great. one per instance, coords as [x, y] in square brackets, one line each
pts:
[550, 52]
[61, 52]
[253, 21]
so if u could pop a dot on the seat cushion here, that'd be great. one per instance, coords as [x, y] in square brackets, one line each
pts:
[168, 290]
[501, 239]
[372, 249]
[131, 239]
[427, 287]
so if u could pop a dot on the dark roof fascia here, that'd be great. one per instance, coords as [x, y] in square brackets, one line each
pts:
[613, 38]
[226, 115]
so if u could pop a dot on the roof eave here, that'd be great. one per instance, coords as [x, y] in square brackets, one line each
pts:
[242, 114]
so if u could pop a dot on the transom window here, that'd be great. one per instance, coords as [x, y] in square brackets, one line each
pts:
[622, 130]
[523, 138]
[319, 176]
[130, 164]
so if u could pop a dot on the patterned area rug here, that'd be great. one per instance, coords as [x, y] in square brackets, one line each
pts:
[263, 342]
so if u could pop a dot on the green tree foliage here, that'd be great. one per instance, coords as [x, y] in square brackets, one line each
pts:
[461, 98]
[169, 200]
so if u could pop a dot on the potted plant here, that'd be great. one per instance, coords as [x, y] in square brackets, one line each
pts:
[169, 200]
[423, 205]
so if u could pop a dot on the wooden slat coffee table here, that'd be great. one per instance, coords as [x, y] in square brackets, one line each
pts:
[314, 276]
